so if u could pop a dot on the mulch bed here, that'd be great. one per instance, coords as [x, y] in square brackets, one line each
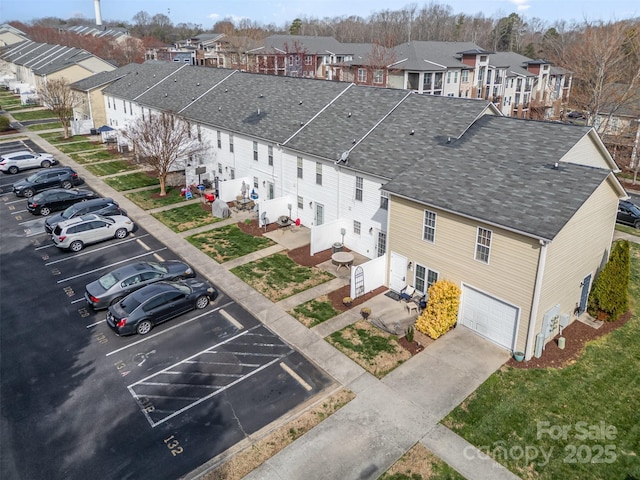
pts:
[576, 335]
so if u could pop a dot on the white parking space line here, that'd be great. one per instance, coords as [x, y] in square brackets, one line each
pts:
[18, 200]
[231, 320]
[202, 384]
[15, 212]
[33, 220]
[296, 377]
[73, 277]
[81, 254]
[96, 323]
[148, 337]
[144, 245]
[160, 258]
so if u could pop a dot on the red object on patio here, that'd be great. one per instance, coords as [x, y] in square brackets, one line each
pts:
[297, 222]
[209, 197]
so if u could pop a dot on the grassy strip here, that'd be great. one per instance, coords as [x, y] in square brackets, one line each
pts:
[92, 157]
[579, 422]
[56, 138]
[131, 181]
[44, 126]
[278, 277]
[419, 463]
[78, 147]
[109, 168]
[374, 350]
[185, 218]
[228, 242]
[148, 199]
[33, 115]
[314, 312]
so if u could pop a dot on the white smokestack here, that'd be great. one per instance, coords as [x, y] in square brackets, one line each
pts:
[96, 4]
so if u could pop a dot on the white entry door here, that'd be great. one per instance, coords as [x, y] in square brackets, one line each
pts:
[397, 272]
[490, 317]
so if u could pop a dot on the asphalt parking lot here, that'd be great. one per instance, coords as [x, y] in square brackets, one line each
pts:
[80, 402]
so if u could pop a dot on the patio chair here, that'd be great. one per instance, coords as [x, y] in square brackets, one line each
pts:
[407, 293]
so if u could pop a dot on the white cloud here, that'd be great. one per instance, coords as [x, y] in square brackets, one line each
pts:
[521, 5]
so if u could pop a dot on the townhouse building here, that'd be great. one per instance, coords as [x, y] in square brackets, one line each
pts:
[519, 213]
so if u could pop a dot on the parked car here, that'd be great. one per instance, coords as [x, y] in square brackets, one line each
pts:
[77, 232]
[64, 177]
[56, 199]
[117, 284]
[100, 206]
[23, 160]
[140, 311]
[576, 114]
[628, 213]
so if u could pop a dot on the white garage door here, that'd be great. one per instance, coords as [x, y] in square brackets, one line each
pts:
[490, 317]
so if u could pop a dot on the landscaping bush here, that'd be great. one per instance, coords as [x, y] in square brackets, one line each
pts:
[609, 297]
[441, 312]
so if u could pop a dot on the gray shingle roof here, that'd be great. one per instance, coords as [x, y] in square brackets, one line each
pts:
[513, 62]
[104, 78]
[311, 44]
[428, 55]
[141, 79]
[501, 172]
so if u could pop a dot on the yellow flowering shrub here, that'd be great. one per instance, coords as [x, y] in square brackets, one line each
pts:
[442, 309]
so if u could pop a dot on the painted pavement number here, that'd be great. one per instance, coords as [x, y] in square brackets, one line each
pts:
[184, 385]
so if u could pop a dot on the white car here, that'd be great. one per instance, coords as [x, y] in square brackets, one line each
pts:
[75, 233]
[23, 160]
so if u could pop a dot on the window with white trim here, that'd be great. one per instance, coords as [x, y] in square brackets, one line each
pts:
[424, 278]
[359, 186]
[429, 228]
[300, 202]
[219, 139]
[299, 167]
[483, 245]
[255, 151]
[231, 143]
[255, 182]
[318, 173]
[362, 75]
[357, 227]
[464, 76]
[220, 168]
[378, 76]
[270, 155]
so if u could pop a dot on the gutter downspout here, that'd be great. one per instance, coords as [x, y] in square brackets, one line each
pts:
[531, 334]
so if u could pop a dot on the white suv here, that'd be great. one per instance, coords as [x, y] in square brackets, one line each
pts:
[77, 232]
[17, 161]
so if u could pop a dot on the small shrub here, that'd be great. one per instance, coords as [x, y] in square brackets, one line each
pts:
[441, 313]
[410, 334]
[347, 300]
[365, 312]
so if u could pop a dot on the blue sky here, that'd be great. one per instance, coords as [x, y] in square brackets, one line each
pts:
[281, 12]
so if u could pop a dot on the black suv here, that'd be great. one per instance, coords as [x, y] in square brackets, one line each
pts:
[100, 206]
[628, 214]
[64, 177]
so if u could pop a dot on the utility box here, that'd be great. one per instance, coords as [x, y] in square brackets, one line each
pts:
[336, 247]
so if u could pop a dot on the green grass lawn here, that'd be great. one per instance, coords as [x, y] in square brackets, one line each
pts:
[314, 312]
[181, 219]
[78, 147]
[109, 168]
[92, 157]
[33, 115]
[626, 229]
[150, 198]
[130, 181]
[582, 421]
[44, 126]
[228, 242]
[278, 277]
[56, 138]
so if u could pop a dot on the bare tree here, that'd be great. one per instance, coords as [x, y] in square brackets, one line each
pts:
[162, 140]
[56, 95]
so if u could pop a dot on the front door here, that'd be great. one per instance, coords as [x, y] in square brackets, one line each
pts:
[584, 295]
[397, 272]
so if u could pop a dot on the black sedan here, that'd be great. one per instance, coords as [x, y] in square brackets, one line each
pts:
[56, 199]
[157, 303]
[628, 214]
[117, 284]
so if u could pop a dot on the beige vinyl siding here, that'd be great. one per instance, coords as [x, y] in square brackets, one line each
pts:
[586, 152]
[510, 274]
[577, 251]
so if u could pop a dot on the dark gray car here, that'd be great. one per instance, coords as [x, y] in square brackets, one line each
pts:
[113, 286]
